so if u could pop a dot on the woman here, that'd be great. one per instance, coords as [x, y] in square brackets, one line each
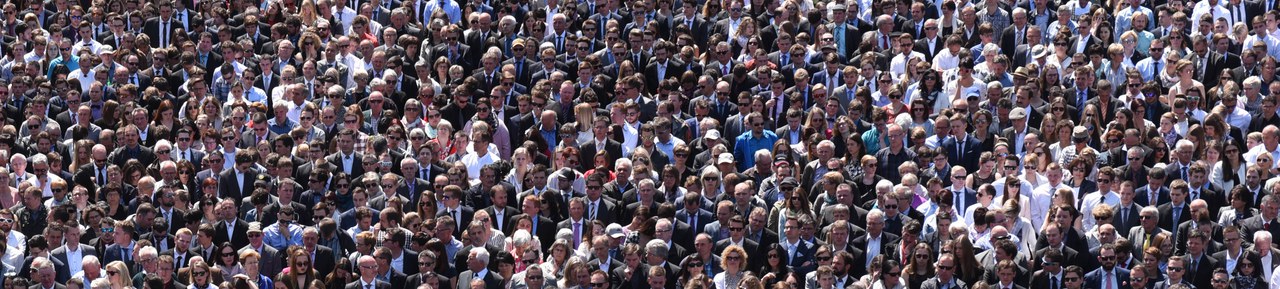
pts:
[1230, 170]
[890, 276]
[557, 258]
[297, 275]
[1152, 260]
[928, 89]
[986, 173]
[522, 162]
[118, 274]
[114, 204]
[576, 275]
[1186, 77]
[920, 267]
[250, 261]
[1247, 274]
[967, 267]
[733, 260]
[775, 267]
[228, 261]
[164, 116]
[199, 276]
[741, 45]
[792, 207]
[1241, 207]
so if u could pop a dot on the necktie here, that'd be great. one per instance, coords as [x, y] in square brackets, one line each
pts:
[1156, 72]
[1053, 282]
[693, 220]
[177, 260]
[959, 201]
[102, 177]
[1124, 215]
[164, 34]
[884, 42]
[577, 233]
[960, 150]
[1108, 280]
[592, 215]
[785, 58]
[1184, 176]
[368, 286]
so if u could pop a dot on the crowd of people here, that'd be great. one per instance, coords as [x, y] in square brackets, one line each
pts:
[673, 144]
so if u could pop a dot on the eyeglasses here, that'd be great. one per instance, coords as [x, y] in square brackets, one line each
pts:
[198, 273]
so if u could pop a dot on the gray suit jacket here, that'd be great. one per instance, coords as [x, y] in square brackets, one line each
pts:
[270, 260]
[933, 283]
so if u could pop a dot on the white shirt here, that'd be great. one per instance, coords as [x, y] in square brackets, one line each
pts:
[474, 162]
[1092, 200]
[1252, 155]
[75, 258]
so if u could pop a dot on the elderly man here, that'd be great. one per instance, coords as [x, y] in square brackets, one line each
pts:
[368, 267]
[478, 269]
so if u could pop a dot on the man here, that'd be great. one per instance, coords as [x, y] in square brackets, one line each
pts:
[122, 249]
[1126, 213]
[1176, 211]
[231, 228]
[875, 242]
[1108, 276]
[270, 261]
[72, 252]
[1050, 274]
[368, 267]
[1198, 263]
[758, 138]
[944, 276]
[1234, 255]
[43, 274]
[1141, 235]
[1175, 269]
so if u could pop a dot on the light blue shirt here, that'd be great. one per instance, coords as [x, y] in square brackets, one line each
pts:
[747, 144]
[1124, 20]
[272, 237]
[450, 8]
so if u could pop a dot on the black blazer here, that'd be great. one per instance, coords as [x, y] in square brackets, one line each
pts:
[239, 237]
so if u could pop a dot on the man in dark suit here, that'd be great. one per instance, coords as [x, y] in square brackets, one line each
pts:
[600, 130]
[661, 67]
[1149, 180]
[1147, 229]
[346, 159]
[1176, 210]
[131, 148]
[962, 149]
[599, 206]
[238, 182]
[543, 227]
[1265, 220]
[72, 246]
[1175, 271]
[931, 43]
[693, 214]
[44, 274]
[456, 52]
[162, 27]
[1108, 273]
[1016, 33]
[453, 207]
[368, 267]
[875, 234]
[231, 228]
[1200, 265]
[944, 277]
